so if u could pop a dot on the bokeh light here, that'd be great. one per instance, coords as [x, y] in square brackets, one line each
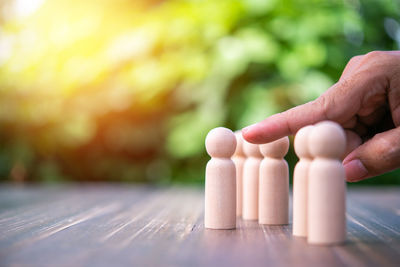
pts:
[122, 90]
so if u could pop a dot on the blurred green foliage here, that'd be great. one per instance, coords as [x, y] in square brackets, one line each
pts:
[122, 90]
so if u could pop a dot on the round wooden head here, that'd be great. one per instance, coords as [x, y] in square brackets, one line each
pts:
[275, 149]
[327, 139]
[301, 142]
[251, 150]
[239, 147]
[220, 143]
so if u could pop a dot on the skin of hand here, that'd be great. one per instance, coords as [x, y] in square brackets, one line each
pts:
[365, 101]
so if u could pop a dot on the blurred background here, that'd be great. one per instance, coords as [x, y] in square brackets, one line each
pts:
[126, 90]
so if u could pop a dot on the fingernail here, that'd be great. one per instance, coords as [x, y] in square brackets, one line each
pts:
[248, 128]
[355, 170]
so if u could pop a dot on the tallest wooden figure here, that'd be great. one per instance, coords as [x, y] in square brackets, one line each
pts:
[326, 185]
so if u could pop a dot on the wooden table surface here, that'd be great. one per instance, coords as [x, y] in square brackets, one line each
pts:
[115, 225]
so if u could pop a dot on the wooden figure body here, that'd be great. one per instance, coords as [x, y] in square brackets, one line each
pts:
[300, 181]
[239, 158]
[326, 185]
[274, 183]
[251, 169]
[220, 188]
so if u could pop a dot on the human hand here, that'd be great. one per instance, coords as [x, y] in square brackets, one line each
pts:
[365, 101]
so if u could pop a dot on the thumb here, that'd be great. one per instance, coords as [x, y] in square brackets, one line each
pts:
[378, 155]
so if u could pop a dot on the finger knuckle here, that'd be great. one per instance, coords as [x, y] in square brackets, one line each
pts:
[355, 59]
[382, 145]
[374, 65]
[322, 105]
[375, 55]
[376, 58]
[291, 113]
[381, 154]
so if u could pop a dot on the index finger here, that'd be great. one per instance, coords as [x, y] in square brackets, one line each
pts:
[339, 103]
[286, 123]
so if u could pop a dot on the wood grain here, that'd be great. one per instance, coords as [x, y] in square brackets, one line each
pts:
[110, 225]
